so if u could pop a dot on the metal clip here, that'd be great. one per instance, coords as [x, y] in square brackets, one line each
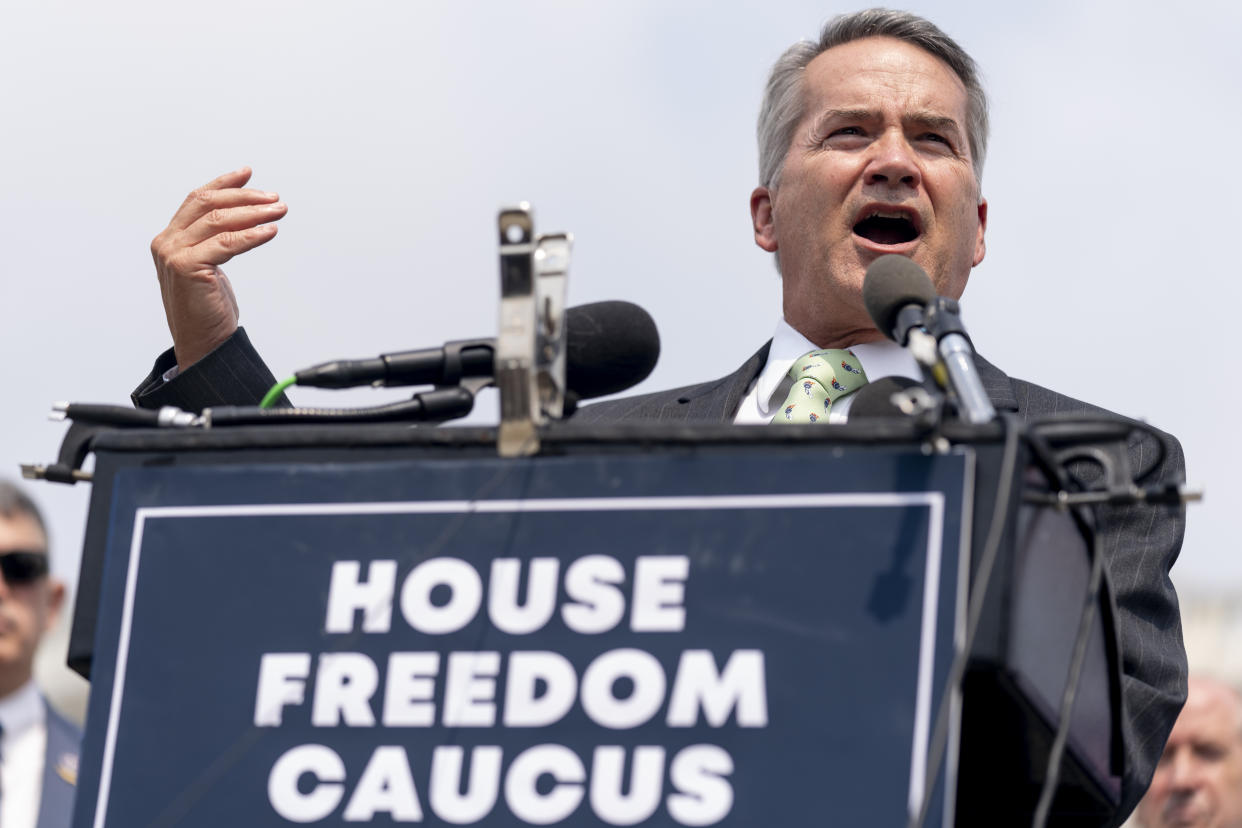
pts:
[551, 276]
[56, 473]
[515, 341]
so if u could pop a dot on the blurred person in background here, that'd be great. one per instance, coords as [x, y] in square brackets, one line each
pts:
[38, 747]
[1198, 781]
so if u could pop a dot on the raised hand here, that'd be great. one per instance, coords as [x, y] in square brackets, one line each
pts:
[214, 223]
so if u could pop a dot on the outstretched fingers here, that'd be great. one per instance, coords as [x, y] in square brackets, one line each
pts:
[221, 193]
[220, 247]
[215, 223]
[229, 220]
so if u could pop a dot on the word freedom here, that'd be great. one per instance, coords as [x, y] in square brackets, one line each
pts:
[505, 692]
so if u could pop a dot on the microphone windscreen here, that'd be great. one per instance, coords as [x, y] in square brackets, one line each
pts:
[875, 399]
[891, 283]
[609, 347]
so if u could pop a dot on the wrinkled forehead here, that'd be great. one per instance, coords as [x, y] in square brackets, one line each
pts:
[20, 531]
[883, 72]
[1212, 709]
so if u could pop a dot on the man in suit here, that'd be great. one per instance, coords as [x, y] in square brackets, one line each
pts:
[871, 141]
[38, 747]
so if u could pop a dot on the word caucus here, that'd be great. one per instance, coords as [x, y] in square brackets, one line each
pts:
[460, 696]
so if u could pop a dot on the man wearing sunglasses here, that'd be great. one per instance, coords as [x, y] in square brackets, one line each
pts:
[38, 748]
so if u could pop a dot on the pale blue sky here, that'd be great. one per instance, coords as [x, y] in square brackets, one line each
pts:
[395, 130]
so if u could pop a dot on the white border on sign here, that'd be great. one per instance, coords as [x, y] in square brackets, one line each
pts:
[934, 501]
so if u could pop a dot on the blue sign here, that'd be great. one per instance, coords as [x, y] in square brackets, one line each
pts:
[732, 637]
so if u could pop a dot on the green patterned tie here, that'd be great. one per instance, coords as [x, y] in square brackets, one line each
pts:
[820, 378]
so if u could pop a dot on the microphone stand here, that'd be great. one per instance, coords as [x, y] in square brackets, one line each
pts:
[943, 321]
[937, 339]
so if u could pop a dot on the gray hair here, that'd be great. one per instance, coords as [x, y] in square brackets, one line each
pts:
[783, 100]
[14, 503]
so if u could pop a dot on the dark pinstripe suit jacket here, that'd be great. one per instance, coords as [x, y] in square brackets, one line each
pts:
[1140, 544]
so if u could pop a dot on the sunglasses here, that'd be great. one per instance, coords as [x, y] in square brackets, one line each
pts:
[20, 568]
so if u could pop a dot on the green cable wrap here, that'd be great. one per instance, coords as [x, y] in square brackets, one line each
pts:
[270, 398]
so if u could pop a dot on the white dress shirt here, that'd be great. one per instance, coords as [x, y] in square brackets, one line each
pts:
[23, 749]
[767, 393]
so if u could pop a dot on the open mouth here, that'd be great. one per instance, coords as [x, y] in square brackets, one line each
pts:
[887, 227]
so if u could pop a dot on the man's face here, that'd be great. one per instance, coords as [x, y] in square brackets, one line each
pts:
[1198, 781]
[880, 163]
[26, 609]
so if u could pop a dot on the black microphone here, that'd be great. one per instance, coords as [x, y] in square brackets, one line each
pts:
[895, 291]
[875, 399]
[609, 347]
[903, 304]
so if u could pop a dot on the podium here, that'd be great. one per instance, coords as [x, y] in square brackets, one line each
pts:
[639, 626]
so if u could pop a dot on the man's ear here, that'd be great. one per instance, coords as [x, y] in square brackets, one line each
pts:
[55, 600]
[763, 219]
[980, 247]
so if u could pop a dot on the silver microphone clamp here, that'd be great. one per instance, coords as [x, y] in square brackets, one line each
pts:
[530, 345]
[943, 323]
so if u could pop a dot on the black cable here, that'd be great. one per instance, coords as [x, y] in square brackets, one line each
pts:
[438, 404]
[114, 415]
[978, 589]
[1052, 773]
[1057, 473]
[1050, 428]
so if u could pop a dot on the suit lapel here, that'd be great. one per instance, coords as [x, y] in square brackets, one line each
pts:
[997, 385]
[718, 401]
[60, 773]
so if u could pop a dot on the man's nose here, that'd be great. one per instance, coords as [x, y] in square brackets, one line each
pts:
[893, 162]
[1185, 771]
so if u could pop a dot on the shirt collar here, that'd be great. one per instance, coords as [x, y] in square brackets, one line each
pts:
[21, 709]
[787, 346]
[879, 359]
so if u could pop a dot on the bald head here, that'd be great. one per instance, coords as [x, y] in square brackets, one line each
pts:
[1198, 782]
